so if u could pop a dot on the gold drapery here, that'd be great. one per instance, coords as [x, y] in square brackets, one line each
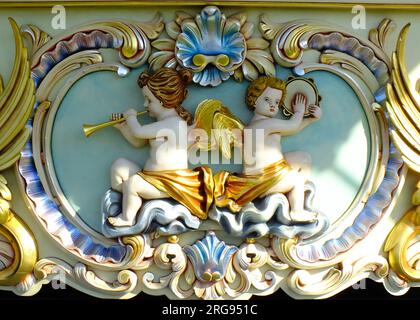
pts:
[236, 190]
[193, 188]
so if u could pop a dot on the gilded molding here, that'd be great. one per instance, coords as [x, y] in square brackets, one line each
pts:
[18, 245]
[5, 197]
[16, 104]
[379, 35]
[403, 105]
[231, 3]
[401, 244]
[25, 252]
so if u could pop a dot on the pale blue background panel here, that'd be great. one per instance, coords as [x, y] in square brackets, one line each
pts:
[338, 143]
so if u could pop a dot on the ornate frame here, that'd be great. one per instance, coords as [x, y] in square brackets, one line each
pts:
[316, 268]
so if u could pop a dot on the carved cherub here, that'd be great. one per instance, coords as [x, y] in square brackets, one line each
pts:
[266, 170]
[166, 173]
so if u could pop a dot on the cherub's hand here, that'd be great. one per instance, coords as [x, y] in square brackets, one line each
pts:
[315, 111]
[120, 126]
[115, 117]
[130, 113]
[299, 103]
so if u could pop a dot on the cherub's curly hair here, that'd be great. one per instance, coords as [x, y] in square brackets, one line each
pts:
[257, 87]
[170, 87]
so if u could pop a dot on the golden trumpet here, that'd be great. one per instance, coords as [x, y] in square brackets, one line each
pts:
[89, 129]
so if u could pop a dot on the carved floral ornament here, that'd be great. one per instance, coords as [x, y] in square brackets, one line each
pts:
[270, 251]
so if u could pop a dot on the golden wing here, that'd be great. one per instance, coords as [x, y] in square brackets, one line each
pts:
[403, 104]
[211, 114]
[16, 103]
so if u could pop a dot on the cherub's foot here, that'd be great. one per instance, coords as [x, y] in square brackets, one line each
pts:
[119, 222]
[303, 216]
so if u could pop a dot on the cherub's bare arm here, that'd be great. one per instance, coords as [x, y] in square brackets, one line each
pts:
[316, 114]
[304, 124]
[284, 127]
[126, 132]
[148, 131]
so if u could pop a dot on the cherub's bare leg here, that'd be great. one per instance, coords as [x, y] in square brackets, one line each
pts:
[300, 161]
[134, 189]
[294, 185]
[296, 198]
[121, 170]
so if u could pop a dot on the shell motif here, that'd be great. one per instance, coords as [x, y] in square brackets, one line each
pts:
[211, 46]
[210, 258]
[214, 47]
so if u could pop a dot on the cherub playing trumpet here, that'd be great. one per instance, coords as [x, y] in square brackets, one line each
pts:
[165, 173]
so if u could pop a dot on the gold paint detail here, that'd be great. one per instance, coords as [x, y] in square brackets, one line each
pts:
[212, 114]
[192, 188]
[16, 104]
[403, 236]
[201, 60]
[130, 37]
[236, 190]
[379, 35]
[132, 34]
[89, 129]
[115, 285]
[173, 239]
[5, 197]
[290, 40]
[350, 63]
[25, 252]
[1, 85]
[137, 247]
[403, 105]
[344, 274]
[64, 68]
[250, 240]
[195, 3]
[36, 37]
